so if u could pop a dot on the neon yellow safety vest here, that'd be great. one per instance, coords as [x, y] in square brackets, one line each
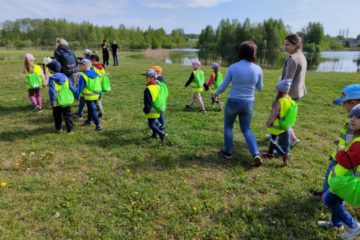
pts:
[100, 73]
[36, 73]
[216, 82]
[285, 104]
[339, 170]
[88, 94]
[58, 87]
[199, 79]
[344, 138]
[154, 91]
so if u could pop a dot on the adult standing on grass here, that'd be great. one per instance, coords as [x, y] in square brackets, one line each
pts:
[66, 57]
[114, 51]
[295, 68]
[105, 53]
[246, 76]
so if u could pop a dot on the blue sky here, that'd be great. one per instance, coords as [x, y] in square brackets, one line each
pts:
[191, 15]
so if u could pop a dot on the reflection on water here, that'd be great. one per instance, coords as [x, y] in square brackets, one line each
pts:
[182, 56]
[347, 61]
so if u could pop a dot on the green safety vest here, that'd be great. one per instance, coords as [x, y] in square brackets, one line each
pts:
[87, 93]
[66, 95]
[34, 79]
[217, 82]
[285, 104]
[154, 91]
[199, 79]
[344, 138]
[339, 170]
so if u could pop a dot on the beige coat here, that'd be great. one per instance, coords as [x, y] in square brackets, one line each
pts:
[295, 69]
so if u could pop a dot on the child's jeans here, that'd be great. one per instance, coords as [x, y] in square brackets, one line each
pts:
[92, 114]
[283, 143]
[155, 129]
[80, 111]
[63, 112]
[197, 97]
[35, 97]
[326, 183]
[339, 215]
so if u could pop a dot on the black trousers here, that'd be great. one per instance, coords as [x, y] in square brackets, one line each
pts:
[59, 113]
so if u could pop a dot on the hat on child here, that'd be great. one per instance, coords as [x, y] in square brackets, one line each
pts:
[215, 66]
[87, 51]
[355, 111]
[284, 85]
[47, 60]
[85, 62]
[196, 64]
[94, 57]
[29, 57]
[157, 69]
[350, 92]
[54, 66]
[150, 73]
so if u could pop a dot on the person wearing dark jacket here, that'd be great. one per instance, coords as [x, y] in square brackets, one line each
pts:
[90, 97]
[65, 56]
[150, 94]
[58, 78]
[105, 53]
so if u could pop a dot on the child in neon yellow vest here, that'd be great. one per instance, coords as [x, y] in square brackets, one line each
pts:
[35, 81]
[215, 80]
[197, 79]
[280, 106]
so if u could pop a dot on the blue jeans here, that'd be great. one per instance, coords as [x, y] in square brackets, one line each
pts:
[283, 143]
[115, 58]
[339, 215]
[242, 109]
[92, 114]
[80, 111]
[326, 183]
[155, 130]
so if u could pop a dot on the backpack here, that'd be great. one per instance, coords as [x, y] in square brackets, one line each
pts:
[67, 60]
[64, 96]
[34, 80]
[105, 84]
[93, 84]
[161, 100]
[290, 117]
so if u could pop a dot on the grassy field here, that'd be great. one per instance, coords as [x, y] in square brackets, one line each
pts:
[121, 184]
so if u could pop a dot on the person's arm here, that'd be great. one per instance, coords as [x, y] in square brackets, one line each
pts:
[289, 69]
[44, 79]
[147, 101]
[210, 81]
[81, 86]
[260, 83]
[52, 91]
[353, 154]
[275, 110]
[191, 78]
[225, 83]
[72, 88]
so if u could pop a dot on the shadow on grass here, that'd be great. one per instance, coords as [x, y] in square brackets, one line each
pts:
[13, 135]
[15, 109]
[287, 217]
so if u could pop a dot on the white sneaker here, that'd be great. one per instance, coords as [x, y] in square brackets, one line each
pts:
[351, 233]
[294, 142]
[329, 224]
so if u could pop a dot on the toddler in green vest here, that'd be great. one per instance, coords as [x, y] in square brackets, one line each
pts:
[281, 107]
[215, 80]
[61, 94]
[152, 98]
[197, 79]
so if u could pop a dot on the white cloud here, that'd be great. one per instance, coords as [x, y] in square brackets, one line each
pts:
[181, 3]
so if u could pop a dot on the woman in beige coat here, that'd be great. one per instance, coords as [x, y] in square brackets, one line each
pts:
[295, 69]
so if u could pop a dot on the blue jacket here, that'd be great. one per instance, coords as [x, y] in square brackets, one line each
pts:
[60, 79]
[81, 85]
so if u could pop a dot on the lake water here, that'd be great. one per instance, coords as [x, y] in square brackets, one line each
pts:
[329, 61]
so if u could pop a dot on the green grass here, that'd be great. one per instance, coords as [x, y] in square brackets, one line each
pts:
[120, 184]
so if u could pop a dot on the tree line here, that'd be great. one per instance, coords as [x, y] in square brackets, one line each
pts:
[28, 32]
[223, 42]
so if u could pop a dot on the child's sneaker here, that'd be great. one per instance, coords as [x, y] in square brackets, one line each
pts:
[37, 108]
[58, 130]
[98, 128]
[225, 155]
[86, 123]
[268, 155]
[202, 111]
[351, 233]
[77, 117]
[286, 159]
[294, 142]
[163, 138]
[316, 194]
[188, 106]
[329, 224]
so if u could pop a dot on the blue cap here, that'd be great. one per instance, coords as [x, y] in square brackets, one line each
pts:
[284, 85]
[54, 66]
[150, 73]
[215, 66]
[350, 92]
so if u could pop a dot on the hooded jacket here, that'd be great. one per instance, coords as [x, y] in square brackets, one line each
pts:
[67, 59]
[60, 79]
[81, 85]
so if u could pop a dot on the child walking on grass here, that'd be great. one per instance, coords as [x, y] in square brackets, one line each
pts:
[35, 78]
[160, 80]
[197, 79]
[347, 161]
[215, 80]
[281, 107]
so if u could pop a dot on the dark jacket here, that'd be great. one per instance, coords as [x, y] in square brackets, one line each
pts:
[60, 79]
[67, 59]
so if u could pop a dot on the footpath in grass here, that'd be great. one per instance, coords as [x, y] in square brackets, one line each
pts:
[121, 184]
